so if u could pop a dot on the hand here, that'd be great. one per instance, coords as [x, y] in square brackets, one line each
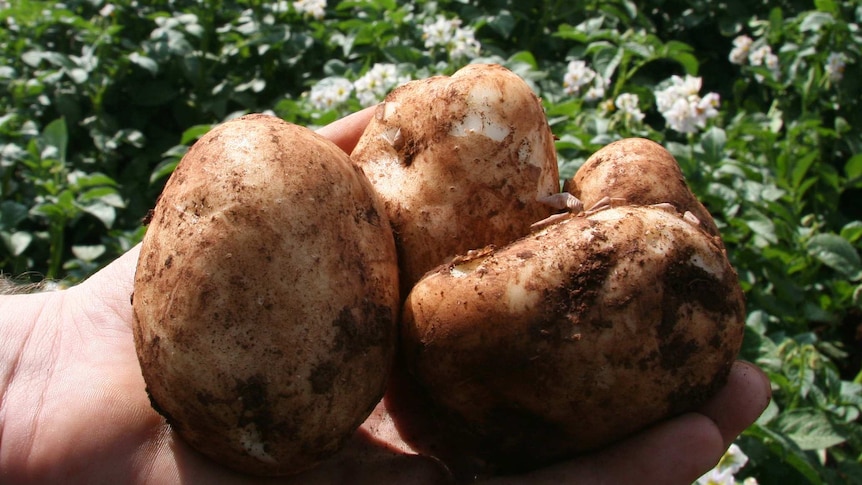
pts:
[73, 407]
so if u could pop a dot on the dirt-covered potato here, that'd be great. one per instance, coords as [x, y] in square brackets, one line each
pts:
[587, 330]
[640, 172]
[460, 162]
[266, 297]
[578, 335]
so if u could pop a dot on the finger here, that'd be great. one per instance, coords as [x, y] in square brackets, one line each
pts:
[673, 452]
[740, 402]
[676, 451]
[346, 131]
[113, 285]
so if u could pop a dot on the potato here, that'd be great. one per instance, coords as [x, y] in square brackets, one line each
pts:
[266, 297]
[640, 172]
[459, 163]
[584, 332]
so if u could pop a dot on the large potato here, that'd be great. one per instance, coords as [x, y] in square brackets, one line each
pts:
[459, 163]
[266, 297]
[578, 335]
[586, 331]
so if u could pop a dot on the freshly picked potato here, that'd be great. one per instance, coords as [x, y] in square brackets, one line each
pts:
[586, 331]
[460, 163]
[266, 297]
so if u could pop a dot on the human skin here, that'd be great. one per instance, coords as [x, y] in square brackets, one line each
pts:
[73, 408]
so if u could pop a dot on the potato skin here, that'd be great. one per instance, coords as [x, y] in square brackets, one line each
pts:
[576, 336]
[266, 297]
[459, 163]
[640, 171]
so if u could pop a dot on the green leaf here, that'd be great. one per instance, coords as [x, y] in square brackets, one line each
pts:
[56, 135]
[144, 62]
[809, 429]
[852, 231]
[800, 168]
[813, 21]
[762, 227]
[17, 242]
[853, 169]
[102, 211]
[713, 142]
[194, 133]
[11, 214]
[163, 169]
[88, 253]
[503, 23]
[837, 253]
[787, 450]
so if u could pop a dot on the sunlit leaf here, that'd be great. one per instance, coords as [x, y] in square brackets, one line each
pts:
[837, 253]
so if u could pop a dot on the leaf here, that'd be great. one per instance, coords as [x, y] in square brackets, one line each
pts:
[503, 23]
[763, 228]
[88, 253]
[800, 168]
[525, 57]
[163, 169]
[713, 142]
[101, 211]
[853, 169]
[837, 253]
[813, 21]
[17, 242]
[809, 429]
[606, 60]
[852, 231]
[144, 62]
[787, 450]
[56, 135]
[11, 214]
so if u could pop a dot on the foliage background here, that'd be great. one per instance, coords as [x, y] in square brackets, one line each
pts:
[98, 102]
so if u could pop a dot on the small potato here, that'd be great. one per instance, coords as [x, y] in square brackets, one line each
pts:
[638, 172]
[575, 336]
[266, 297]
[459, 162]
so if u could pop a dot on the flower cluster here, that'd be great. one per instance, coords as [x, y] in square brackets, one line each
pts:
[312, 8]
[744, 52]
[835, 65]
[723, 473]
[330, 92]
[627, 104]
[683, 108]
[374, 84]
[578, 75]
[459, 42]
[370, 88]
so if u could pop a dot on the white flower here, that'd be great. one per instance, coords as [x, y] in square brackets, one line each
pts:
[763, 56]
[330, 92]
[717, 477]
[749, 481]
[107, 10]
[314, 8]
[597, 90]
[684, 110]
[627, 103]
[448, 34]
[733, 459]
[464, 44]
[577, 75]
[375, 83]
[835, 65]
[741, 48]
